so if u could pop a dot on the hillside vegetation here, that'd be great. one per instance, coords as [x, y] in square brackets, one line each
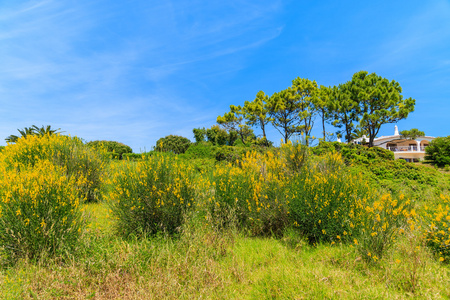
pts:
[217, 221]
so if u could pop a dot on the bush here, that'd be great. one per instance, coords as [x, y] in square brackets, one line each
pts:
[199, 134]
[201, 150]
[438, 152]
[1, 148]
[220, 137]
[325, 201]
[381, 222]
[329, 204]
[151, 195]
[78, 160]
[251, 194]
[353, 152]
[116, 150]
[437, 232]
[136, 156]
[173, 143]
[39, 212]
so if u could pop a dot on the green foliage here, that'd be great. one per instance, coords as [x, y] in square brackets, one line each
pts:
[40, 215]
[307, 92]
[232, 123]
[343, 110]
[136, 156]
[1, 148]
[354, 152]
[291, 111]
[173, 143]
[256, 112]
[199, 134]
[219, 137]
[438, 152]
[380, 102]
[412, 134]
[151, 195]
[116, 149]
[262, 142]
[200, 150]
[33, 130]
[229, 153]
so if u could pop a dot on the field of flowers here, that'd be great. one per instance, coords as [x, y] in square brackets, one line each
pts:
[49, 185]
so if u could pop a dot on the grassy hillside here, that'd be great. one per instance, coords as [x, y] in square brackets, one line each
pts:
[243, 231]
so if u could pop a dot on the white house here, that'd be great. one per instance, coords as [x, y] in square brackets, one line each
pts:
[407, 149]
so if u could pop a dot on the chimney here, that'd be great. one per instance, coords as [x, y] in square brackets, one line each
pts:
[396, 130]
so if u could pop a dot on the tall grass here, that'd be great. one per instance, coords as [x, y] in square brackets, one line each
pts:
[320, 231]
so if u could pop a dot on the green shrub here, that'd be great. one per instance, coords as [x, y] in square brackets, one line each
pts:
[199, 134]
[136, 156]
[173, 143]
[39, 212]
[1, 148]
[200, 150]
[354, 152]
[438, 152]
[220, 137]
[115, 150]
[230, 153]
[151, 195]
[78, 160]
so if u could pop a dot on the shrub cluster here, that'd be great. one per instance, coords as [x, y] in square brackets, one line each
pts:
[115, 149]
[437, 233]
[39, 211]
[354, 153]
[151, 195]
[439, 151]
[79, 161]
[173, 143]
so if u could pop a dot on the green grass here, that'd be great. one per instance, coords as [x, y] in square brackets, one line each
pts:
[203, 263]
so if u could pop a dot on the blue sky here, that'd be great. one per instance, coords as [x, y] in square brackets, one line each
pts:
[134, 71]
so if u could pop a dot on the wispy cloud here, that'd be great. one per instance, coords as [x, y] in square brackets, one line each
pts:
[93, 68]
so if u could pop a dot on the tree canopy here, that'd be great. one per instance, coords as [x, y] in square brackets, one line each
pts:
[380, 102]
[412, 133]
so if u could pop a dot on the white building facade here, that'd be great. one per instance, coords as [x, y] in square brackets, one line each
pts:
[407, 149]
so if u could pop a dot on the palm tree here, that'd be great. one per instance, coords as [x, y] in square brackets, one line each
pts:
[33, 130]
[358, 133]
[23, 133]
[47, 130]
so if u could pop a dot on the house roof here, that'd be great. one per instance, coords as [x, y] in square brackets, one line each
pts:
[388, 138]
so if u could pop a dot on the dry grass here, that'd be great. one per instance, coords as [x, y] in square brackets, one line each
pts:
[207, 264]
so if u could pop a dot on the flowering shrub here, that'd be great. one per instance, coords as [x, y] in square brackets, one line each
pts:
[151, 195]
[78, 160]
[381, 222]
[326, 203]
[438, 231]
[251, 192]
[39, 211]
